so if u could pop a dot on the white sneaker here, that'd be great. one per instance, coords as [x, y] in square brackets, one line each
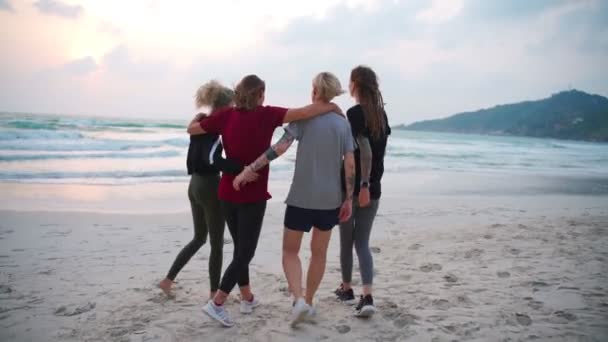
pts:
[248, 306]
[218, 313]
[299, 312]
[311, 315]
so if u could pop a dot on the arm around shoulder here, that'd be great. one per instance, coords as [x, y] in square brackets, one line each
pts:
[195, 128]
[310, 111]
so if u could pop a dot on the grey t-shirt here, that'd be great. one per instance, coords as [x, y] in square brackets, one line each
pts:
[322, 143]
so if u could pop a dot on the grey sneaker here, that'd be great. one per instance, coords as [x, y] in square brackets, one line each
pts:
[218, 313]
[299, 312]
[248, 306]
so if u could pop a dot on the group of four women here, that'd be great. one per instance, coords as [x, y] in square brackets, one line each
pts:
[337, 180]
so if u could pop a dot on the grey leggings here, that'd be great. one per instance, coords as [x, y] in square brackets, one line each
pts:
[356, 231]
[208, 219]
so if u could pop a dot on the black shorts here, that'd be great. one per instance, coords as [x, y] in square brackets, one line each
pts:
[304, 219]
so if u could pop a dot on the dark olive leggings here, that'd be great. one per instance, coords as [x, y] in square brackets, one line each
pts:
[208, 219]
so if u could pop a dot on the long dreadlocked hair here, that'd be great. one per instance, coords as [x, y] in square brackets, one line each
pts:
[368, 93]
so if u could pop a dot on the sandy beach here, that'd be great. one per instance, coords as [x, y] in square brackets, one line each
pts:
[457, 266]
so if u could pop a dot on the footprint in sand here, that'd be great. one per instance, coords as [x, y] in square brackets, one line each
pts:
[430, 267]
[473, 253]
[450, 278]
[375, 250]
[343, 329]
[565, 316]
[514, 251]
[57, 233]
[415, 247]
[534, 304]
[392, 312]
[503, 274]
[404, 320]
[74, 311]
[405, 277]
[5, 289]
[523, 319]
[488, 236]
[441, 304]
[535, 284]
[464, 299]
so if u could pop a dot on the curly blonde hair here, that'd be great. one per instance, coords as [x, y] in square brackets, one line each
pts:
[214, 95]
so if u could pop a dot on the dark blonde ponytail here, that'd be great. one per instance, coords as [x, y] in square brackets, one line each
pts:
[248, 92]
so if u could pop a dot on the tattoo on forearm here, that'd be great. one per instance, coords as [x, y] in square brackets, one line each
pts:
[365, 152]
[349, 170]
[350, 186]
[273, 152]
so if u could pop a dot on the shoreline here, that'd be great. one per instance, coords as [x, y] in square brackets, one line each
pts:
[145, 198]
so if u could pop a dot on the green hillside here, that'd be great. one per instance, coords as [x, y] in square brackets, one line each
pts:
[566, 115]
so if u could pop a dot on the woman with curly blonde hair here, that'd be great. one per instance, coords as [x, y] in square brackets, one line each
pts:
[204, 165]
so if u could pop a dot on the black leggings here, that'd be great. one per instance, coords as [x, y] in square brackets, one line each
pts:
[208, 219]
[245, 224]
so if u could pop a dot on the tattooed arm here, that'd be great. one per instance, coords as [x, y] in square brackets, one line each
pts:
[271, 154]
[365, 153]
[349, 176]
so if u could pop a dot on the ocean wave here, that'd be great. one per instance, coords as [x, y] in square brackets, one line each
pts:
[36, 123]
[178, 142]
[31, 175]
[138, 125]
[112, 155]
[40, 134]
[88, 144]
[434, 155]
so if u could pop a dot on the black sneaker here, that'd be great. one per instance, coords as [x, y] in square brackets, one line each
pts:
[366, 307]
[345, 296]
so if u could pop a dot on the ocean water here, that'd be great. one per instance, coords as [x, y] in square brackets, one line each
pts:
[78, 150]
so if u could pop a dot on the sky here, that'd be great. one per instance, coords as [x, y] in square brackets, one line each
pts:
[434, 58]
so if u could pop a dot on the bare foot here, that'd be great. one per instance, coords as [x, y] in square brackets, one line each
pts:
[165, 285]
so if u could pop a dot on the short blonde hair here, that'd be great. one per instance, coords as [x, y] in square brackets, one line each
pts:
[214, 95]
[328, 86]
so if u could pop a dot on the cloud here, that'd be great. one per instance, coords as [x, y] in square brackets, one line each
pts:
[121, 62]
[441, 10]
[508, 10]
[109, 28]
[5, 5]
[58, 8]
[362, 25]
[81, 66]
[434, 58]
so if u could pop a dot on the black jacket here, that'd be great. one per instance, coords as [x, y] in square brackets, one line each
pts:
[205, 156]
